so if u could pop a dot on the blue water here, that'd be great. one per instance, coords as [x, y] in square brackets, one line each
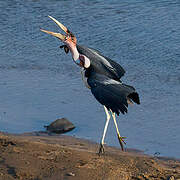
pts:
[39, 82]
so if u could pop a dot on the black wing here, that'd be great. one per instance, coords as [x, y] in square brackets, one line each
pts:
[116, 67]
[102, 64]
[112, 94]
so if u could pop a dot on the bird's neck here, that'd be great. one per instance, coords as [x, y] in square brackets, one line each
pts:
[74, 52]
[79, 59]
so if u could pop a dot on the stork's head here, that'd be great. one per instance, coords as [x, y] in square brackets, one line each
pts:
[70, 44]
[68, 39]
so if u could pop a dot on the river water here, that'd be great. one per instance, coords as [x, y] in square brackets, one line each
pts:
[40, 83]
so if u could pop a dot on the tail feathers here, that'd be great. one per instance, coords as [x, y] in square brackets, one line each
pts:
[134, 96]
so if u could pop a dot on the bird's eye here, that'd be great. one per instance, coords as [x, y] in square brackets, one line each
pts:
[67, 36]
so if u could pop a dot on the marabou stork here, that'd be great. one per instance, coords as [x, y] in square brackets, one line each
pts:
[102, 75]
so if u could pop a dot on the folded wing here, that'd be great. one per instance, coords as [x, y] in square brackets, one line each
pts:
[111, 93]
[102, 64]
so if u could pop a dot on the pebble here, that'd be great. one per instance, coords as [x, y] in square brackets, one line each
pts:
[70, 174]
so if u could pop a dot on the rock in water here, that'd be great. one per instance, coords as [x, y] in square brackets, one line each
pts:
[60, 126]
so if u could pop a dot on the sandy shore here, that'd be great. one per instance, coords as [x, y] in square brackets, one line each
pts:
[42, 157]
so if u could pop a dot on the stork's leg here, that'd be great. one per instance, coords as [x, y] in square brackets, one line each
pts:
[121, 139]
[101, 148]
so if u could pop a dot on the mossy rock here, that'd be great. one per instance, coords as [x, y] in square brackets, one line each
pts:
[60, 126]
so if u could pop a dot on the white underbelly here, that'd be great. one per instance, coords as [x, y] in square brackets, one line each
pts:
[84, 78]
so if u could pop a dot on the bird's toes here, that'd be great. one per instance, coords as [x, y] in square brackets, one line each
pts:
[101, 149]
[121, 141]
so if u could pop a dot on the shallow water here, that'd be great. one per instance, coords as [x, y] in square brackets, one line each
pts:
[40, 83]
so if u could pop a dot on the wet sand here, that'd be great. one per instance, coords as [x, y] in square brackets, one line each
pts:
[37, 156]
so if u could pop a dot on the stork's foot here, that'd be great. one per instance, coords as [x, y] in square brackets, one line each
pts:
[121, 141]
[101, 149]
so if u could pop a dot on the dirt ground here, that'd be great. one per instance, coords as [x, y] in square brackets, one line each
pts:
[42, 157]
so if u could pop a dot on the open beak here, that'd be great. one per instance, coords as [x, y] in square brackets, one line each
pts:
[58, 35]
